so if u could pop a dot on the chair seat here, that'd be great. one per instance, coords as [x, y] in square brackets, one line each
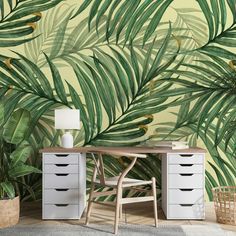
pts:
[127, 182]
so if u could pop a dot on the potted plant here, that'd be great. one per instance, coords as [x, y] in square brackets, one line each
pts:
[14, 152]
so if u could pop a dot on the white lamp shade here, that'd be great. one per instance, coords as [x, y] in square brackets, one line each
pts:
[67, 119]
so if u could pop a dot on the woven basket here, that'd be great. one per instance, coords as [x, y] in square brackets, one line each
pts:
[9, 212]
[225, 204]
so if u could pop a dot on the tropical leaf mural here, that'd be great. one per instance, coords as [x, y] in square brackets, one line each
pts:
[137, 70]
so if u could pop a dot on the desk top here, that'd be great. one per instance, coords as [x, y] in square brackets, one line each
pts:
[144, 149]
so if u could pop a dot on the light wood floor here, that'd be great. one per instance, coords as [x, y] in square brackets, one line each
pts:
[141, 213]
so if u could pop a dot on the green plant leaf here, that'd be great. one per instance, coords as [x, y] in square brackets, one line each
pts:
[22, 170]
[219, 37]
[41, 84]
[134, 18]
[57, 81]
[232, 7]
[129, 17]
[216, 51]
[16, 127]
[216, 15]
[83, 6]
[93, 105]
[20, 155]
[17, 21]
[79, 105]
[52, 30]
[129, 12]
[1, 114]
[209, 17]
[156, 20]
[93, 11]
[8, 188]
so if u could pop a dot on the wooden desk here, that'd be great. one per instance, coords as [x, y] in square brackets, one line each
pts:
[183, 180]
[147, 150]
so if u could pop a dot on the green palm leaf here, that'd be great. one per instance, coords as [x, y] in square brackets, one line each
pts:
[61, 41]
[105, 88]
[190, 29]
[125, 16]
[59, 87]
[212, 93]
[220, 38]
[18, 18]
[52, 34]
[190, 25]
[106, 92]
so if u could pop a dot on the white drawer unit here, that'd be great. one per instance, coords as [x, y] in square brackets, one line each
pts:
[61, 158]
[61, 168]
[61, 180]
[64, 185]
[185, 169]
[185, 196]
[185, 180]
[60, 211]
[61, 196]
[185, 158]
[183, 185]
[186, 211]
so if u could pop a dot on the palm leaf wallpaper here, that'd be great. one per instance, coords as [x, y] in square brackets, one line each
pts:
[136, 69]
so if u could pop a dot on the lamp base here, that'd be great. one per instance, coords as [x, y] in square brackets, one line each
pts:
[67, 140]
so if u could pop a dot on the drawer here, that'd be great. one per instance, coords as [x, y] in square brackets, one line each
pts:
[186, 181]
[60, 211]
[186, 169]
[60, 195]
[61, 180]
[186, 211]
[61, 158]
[61, 168]
[187, 158]
[185, 196]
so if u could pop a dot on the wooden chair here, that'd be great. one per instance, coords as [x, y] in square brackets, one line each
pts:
[118, 183]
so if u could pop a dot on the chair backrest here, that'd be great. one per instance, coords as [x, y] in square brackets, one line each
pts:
[99, 165]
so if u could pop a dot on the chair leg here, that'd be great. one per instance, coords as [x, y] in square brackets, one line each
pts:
[120, 214]
[155, 200]
[90, 203]
[118, 200]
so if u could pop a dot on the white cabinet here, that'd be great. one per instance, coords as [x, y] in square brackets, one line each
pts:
[183, 185]
[64, 185]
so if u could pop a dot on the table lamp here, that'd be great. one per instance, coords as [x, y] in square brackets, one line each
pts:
[67, 119]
